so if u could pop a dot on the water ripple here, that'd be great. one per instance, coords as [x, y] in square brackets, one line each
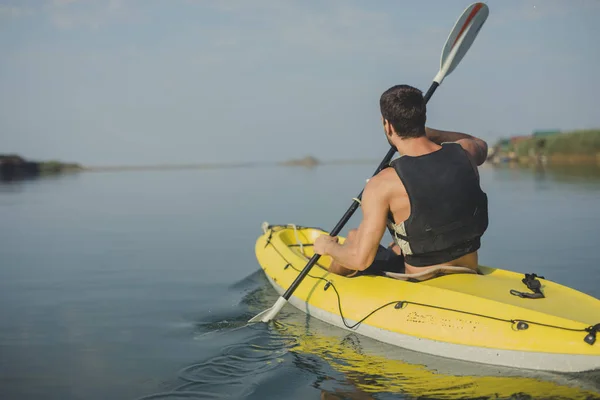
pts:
[305, 358]
[236, 370]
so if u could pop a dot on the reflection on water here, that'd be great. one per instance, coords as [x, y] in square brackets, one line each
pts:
[565, 173]
[337, 364]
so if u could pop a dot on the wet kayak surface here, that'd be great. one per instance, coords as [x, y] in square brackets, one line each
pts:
[138, 285]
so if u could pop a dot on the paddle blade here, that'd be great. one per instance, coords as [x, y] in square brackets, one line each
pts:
[270, 313]
[461, 38]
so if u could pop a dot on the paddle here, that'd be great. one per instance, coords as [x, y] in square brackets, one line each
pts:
[458, 43]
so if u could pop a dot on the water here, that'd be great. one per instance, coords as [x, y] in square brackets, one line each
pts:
[137, 285]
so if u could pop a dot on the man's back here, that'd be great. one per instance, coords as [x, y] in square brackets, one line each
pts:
[438, 208]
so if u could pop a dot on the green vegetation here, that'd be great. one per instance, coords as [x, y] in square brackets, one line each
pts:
[13, 166]
[582, 146]
[524, 148]
[581, 142]
[577, 143]
[55, 167]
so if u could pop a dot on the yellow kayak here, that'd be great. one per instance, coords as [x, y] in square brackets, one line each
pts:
[471, 317]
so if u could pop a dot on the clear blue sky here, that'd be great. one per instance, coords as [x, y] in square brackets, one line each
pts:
[147, 81]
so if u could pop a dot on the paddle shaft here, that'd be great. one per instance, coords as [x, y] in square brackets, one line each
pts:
[340, 225]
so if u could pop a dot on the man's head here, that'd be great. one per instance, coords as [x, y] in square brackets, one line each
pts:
[403, 111]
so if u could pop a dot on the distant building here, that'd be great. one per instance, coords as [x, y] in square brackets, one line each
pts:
[516, 139]
[544, 133]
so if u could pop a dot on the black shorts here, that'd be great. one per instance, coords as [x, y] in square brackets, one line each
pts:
[385, 260]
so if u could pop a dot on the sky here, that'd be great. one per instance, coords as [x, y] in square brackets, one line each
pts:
[138, 82]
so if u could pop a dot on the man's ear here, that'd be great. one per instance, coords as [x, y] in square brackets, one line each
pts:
[387, 127]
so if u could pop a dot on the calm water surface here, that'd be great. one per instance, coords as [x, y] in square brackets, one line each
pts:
[137, 285]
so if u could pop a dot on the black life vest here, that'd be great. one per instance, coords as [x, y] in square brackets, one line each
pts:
[449, 211]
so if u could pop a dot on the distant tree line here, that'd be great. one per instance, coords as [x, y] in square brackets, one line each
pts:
[581, 146]
[583, 142]
[14, 167]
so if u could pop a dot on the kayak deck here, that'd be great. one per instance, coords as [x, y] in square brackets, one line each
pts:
[466, 316]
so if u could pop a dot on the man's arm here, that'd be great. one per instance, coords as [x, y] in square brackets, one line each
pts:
[359, 253]
[475, 147]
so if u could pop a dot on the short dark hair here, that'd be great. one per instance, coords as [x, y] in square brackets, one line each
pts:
[404, 107]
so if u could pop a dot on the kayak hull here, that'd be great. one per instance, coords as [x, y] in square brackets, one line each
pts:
[509, 358]
[463, 316]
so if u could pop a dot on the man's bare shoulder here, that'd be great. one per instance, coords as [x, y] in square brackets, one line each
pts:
[386, 190]
[386, 182]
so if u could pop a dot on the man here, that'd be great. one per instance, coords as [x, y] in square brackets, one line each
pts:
[432, 192]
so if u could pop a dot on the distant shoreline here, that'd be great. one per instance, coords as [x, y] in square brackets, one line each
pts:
[578, 147]
[289, 163]
[15, 167]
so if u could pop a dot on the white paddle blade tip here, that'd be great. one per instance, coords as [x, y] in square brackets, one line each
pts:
[270, 313]
[462, 37]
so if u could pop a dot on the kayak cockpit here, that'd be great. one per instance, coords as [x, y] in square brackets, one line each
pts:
[300, 240]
